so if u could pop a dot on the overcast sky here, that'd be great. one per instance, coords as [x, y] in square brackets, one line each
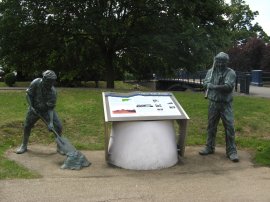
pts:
[263, 6]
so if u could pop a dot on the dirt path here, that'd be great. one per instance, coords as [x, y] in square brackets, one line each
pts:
[195, 178]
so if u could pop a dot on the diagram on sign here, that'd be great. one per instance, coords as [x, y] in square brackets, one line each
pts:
[140, 105]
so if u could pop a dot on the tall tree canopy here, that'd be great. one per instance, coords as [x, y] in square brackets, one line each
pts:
[254, 54]
[240, 18]
[248, 40]
[104, 39]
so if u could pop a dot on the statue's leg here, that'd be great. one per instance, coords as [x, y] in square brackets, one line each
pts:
[30, 121]
[228, 122]
[213, 119]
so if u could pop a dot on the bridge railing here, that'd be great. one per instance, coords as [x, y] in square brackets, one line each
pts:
[266, 77]
[184, 80]
[187, 77]
[195, 80]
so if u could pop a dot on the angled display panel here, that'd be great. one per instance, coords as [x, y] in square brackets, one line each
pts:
[141, 106]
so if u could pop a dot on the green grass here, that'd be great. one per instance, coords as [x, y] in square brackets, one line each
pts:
[81, 111]
[10, 169]
[17, 84]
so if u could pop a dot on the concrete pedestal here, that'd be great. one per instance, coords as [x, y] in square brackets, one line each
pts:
[143, 145]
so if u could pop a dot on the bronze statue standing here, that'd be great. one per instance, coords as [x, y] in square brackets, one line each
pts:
[41, 97]
[219, 83]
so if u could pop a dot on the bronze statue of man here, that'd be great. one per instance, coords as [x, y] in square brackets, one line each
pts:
[41, 97]
[219, 83]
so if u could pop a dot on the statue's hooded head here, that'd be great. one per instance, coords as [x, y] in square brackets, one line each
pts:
[49, 78]
[221, 60]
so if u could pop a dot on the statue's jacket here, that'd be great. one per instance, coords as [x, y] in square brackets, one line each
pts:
[42, 99]
[224, 81]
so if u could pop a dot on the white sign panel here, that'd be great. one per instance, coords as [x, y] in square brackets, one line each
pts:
[141, 106]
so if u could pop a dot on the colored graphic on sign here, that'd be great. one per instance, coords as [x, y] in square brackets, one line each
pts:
[140, 105]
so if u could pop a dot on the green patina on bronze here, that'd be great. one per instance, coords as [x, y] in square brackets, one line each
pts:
[41, 97]
[219, 84]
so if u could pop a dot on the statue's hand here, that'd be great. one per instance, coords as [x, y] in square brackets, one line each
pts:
[211, 86]
[50, 127]
[33, 110]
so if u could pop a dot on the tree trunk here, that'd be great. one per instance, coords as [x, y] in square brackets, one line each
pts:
[96, 84]
[109, 70]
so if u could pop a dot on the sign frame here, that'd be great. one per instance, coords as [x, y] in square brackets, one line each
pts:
[110, 118]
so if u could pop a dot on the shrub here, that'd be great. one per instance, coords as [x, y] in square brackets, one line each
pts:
[10, 79]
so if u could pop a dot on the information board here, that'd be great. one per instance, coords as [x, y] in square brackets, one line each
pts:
[141, 106]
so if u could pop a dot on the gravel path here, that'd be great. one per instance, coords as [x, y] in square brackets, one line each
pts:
[194, 178]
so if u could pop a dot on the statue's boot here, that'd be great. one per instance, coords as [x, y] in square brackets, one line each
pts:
[231, 148]
[206, 151]
[234, 157]
[23, 147]
[210, 144]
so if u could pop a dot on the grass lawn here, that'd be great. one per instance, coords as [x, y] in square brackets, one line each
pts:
[81, 112]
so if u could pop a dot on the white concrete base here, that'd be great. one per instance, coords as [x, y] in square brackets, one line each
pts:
[143, 145]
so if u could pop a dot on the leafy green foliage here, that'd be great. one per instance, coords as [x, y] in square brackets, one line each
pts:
[240, 18]
[248, 40]
[103, 40]
[94, 40]
[10, 79]
[265, 63]
[253, 54]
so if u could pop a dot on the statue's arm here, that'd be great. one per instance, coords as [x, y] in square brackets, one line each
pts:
[50, 125]
[223, 88]
[207, 79]
[29, 96]
[229, 83]
[51, 105]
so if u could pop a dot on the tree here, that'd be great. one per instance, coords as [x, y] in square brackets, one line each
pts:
[189, 33]
[265, 63]
[240, 19]
[249, 56]
[98, 39]
[247, 39]
[254, 49]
